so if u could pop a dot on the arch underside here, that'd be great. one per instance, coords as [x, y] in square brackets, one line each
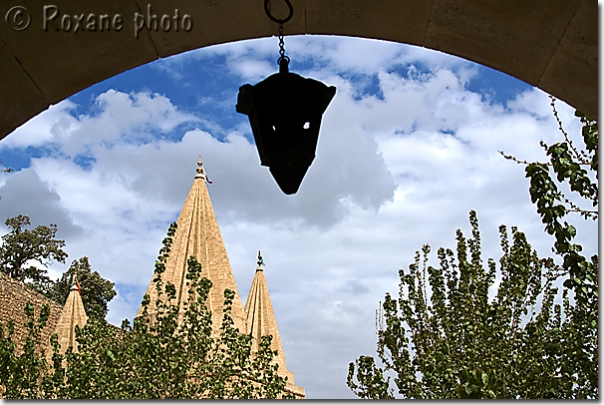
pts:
[550, 44]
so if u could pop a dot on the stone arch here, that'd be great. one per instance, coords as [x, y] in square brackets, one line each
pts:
[550, 44]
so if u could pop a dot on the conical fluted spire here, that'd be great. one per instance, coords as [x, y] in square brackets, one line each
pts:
[73, 314]
[261, 321]
[198, 235]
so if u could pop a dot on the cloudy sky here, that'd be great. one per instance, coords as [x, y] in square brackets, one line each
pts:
[408, 146]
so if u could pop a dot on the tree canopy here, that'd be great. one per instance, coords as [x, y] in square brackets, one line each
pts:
[20, 247]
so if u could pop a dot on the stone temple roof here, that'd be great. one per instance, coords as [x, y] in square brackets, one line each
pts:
[260, 321]
[73, 314]
[198, 235]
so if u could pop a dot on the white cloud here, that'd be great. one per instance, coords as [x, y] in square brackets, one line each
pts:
[254, 59]
[26, 193]
[41, 129]
[121, 118]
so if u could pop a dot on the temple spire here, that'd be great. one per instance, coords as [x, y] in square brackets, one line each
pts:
[260, 321]
[198, 235]
[73, 314]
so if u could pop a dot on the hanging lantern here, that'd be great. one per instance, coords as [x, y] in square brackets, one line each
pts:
[285, 112]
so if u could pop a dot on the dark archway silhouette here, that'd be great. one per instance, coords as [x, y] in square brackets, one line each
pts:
[550, 44]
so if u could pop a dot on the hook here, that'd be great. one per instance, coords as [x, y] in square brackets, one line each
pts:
[278, 20]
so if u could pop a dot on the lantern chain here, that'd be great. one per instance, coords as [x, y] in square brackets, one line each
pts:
[281, 46]
[280, 21]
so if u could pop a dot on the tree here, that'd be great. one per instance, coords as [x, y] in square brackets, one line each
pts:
[444, 338]
[22, 246]
[157, 357]
[96, 292]
[576, 169]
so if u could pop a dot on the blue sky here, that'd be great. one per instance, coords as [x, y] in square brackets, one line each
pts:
[407, 148]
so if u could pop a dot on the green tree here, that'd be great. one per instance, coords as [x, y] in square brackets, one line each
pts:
[575, 169]
[96, 291]
[443, 337]
[157, 357]
[20, 247]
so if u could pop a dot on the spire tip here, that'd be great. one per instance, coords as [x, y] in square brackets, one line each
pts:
[260, 261]
[76, 285]
[201, 173]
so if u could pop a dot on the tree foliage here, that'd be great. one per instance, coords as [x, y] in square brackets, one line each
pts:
[96, 292]
[444, 338]
[20, 247]
[27, 375]
[575, 168]
[166, 353]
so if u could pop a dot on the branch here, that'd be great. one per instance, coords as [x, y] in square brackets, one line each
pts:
[574, 208]
[582, 156]
[526, 162]
[522, 162]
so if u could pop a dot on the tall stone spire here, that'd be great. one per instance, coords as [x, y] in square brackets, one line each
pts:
[261, 321]
[198, 235]
[73, 314]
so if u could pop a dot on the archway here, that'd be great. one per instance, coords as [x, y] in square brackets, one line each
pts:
[548, 44]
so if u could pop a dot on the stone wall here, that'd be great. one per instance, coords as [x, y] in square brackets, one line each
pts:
[13, 298]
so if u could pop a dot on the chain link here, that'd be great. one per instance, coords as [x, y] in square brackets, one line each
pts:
[282, 56]
[281, 43]
[267, 10]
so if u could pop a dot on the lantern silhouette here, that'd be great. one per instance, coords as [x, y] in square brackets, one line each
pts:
[285, 112]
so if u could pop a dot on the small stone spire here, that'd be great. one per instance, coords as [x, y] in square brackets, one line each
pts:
[260, 321]
[73, 315]
[201, 173]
